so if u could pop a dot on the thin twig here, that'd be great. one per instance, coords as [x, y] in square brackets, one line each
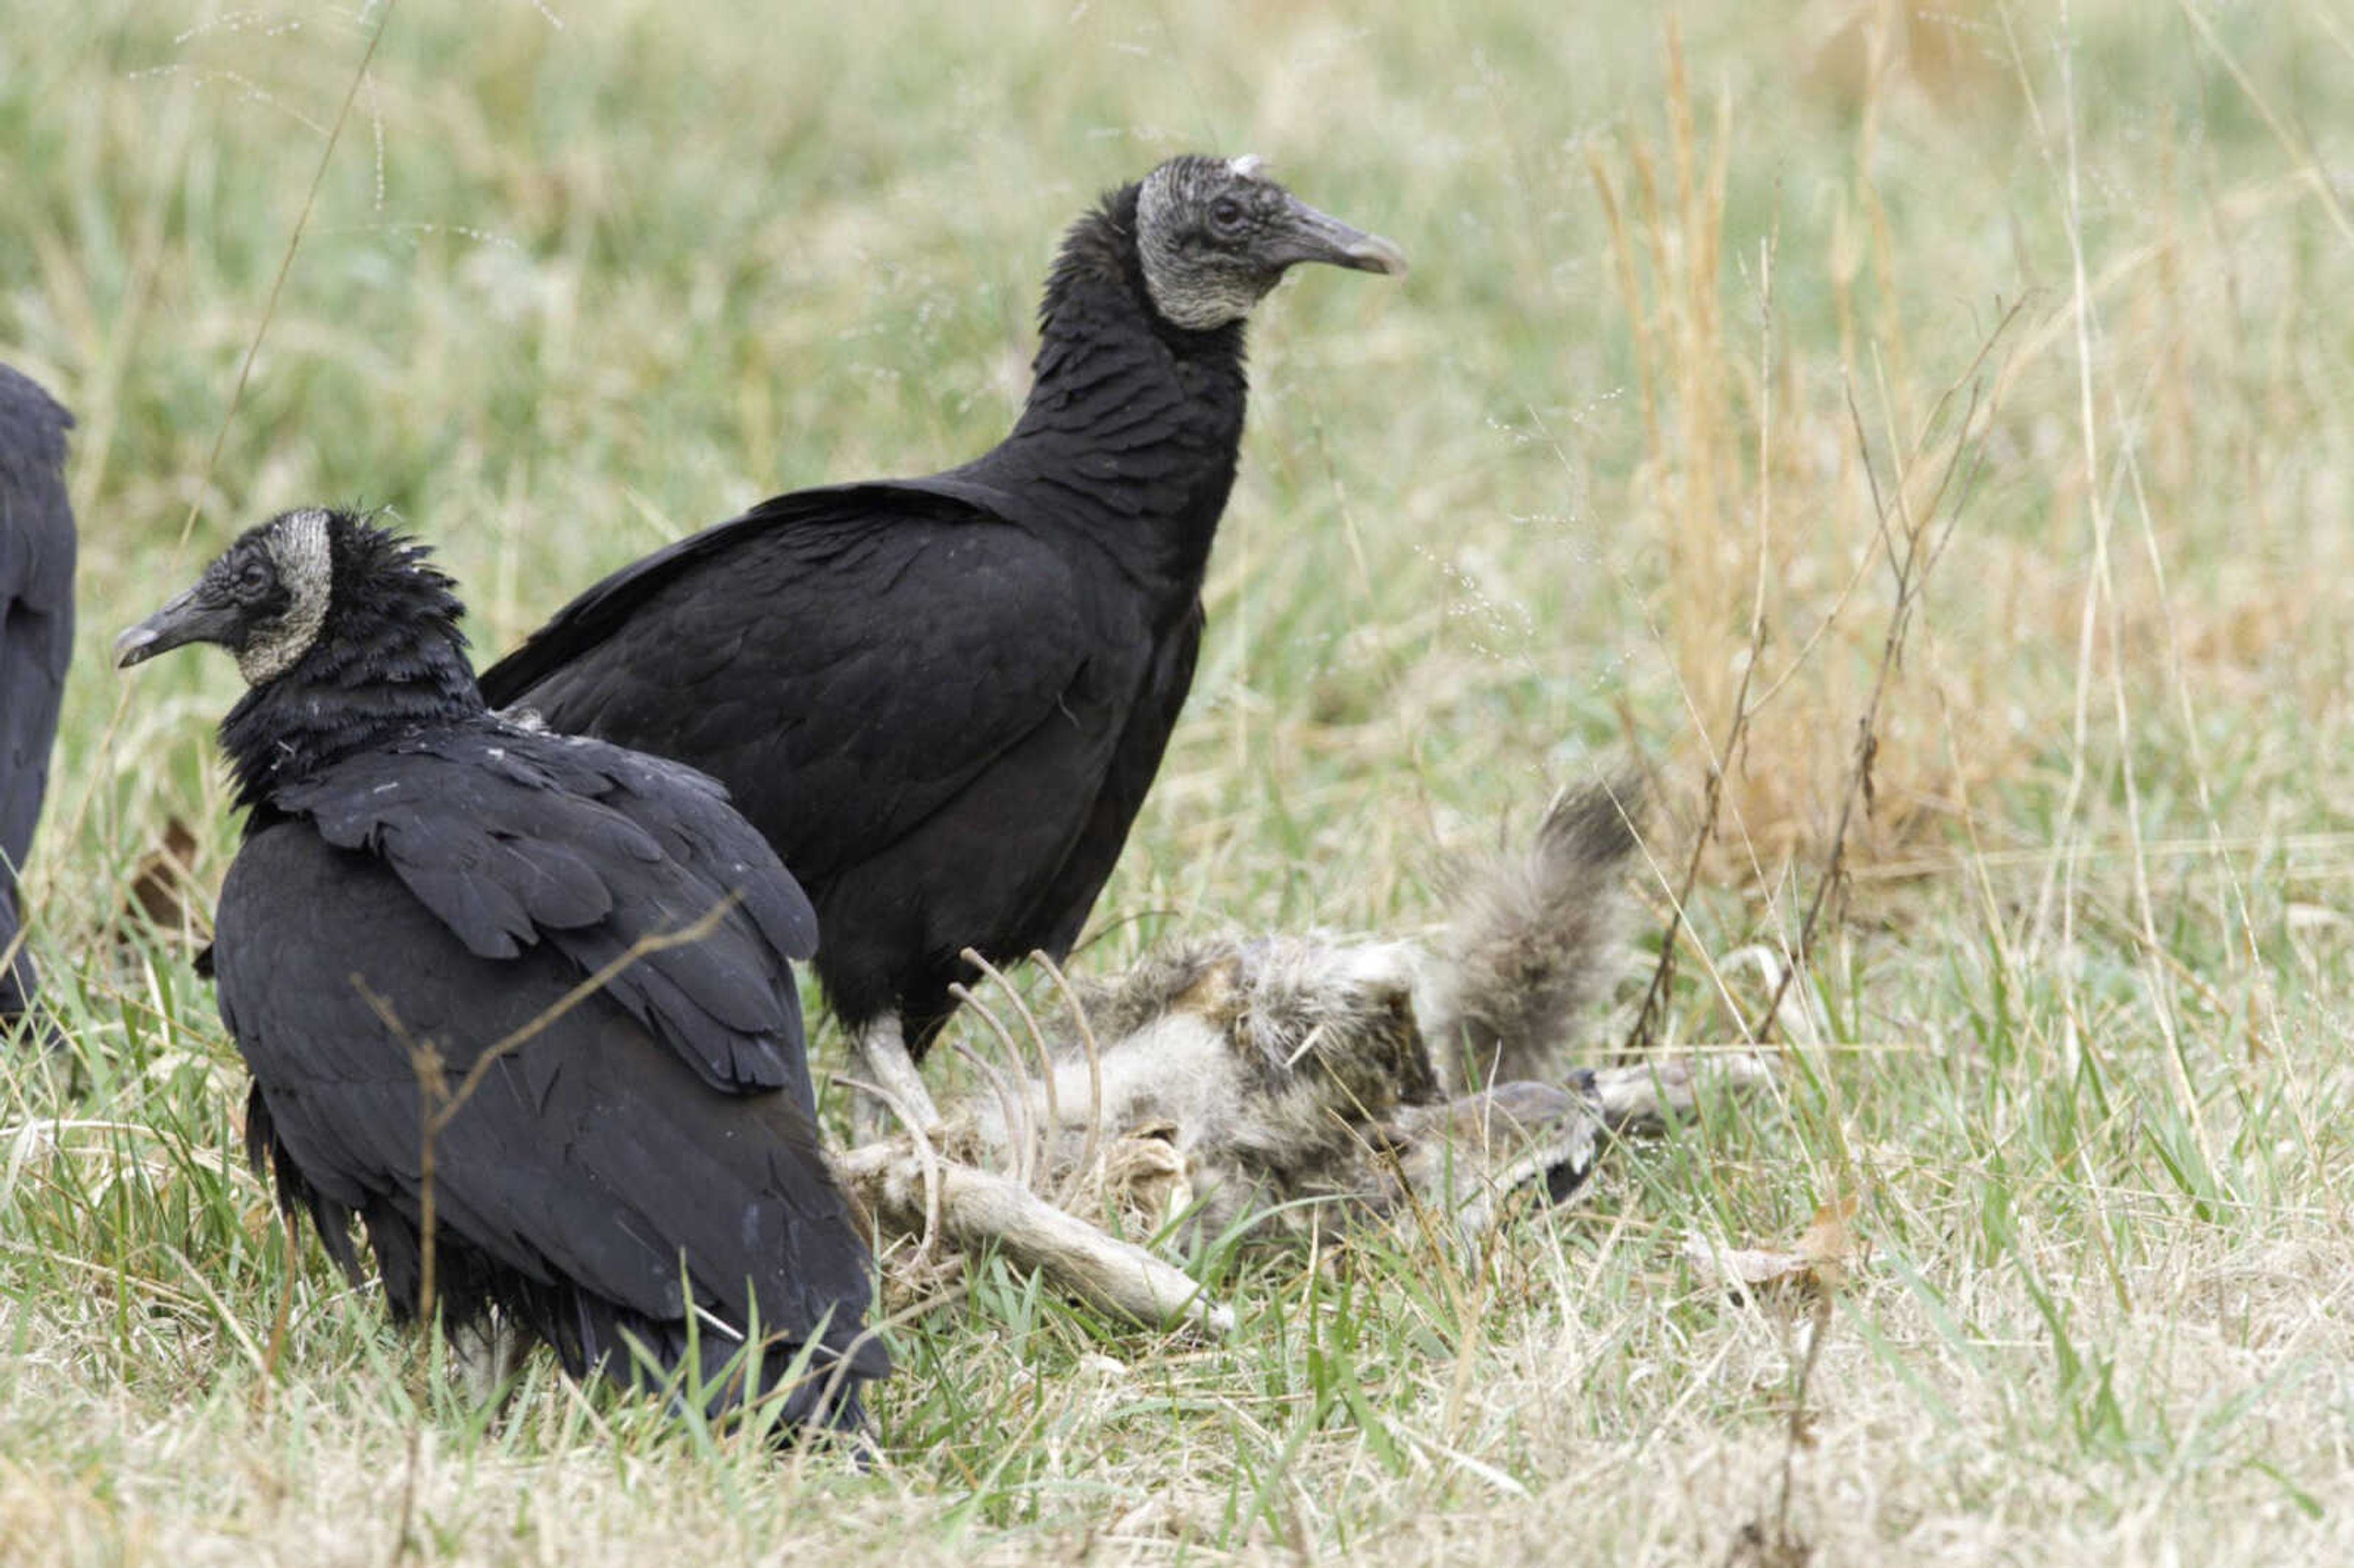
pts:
[285, 266]
[694, 931]
[1821, 1323]
[1910, 561]
[1652, 1013]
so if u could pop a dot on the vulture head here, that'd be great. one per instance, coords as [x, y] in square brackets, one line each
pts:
[280, 591]
[1214, 235]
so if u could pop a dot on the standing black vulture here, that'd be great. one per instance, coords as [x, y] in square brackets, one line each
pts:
[618, 1141]
[36, 565]
[943, 699]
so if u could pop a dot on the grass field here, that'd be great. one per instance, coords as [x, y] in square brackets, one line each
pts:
[1711, 330]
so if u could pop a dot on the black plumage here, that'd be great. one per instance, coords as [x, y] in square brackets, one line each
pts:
[943, 699]
[622, 1134]
[36, 568]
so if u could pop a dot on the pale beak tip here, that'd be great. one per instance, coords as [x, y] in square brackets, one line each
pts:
[133, 646]
[1378, 255]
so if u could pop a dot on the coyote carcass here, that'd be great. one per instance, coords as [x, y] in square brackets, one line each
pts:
[1278, 1083]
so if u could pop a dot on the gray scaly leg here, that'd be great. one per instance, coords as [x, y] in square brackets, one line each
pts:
[883, 1061]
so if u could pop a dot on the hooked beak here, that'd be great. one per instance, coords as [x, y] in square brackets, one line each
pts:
[1313, 236]
[178, 623]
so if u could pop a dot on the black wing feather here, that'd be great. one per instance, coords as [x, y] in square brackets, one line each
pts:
[607, 606]
[850, 660]
[512, 839]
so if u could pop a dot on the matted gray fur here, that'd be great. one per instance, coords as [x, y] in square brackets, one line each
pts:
[1535, 936]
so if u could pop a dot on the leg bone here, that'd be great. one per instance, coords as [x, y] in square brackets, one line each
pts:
[978, 1207]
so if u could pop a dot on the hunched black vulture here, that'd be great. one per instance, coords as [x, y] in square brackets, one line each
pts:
[619, 1141]
[943, 699]
[37, 567]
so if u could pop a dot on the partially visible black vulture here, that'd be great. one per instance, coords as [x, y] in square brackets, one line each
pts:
[626, 1140]
[943, 699]
[37, 565]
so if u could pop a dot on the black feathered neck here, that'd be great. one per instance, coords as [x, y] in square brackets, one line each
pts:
[1100, 260]
[1133, 424]
[388, 661]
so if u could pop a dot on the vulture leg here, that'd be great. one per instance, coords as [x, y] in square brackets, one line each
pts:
[489, 1352]
[883, 1057]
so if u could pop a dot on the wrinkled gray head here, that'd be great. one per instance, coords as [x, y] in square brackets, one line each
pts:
[1214, 235]
[265, 600]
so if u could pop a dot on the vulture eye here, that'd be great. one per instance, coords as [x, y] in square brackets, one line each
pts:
[253, 580]
[1225, 215]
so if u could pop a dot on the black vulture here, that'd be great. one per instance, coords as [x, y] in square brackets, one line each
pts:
[943, 699]
[36, 565]
[622, 1133]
